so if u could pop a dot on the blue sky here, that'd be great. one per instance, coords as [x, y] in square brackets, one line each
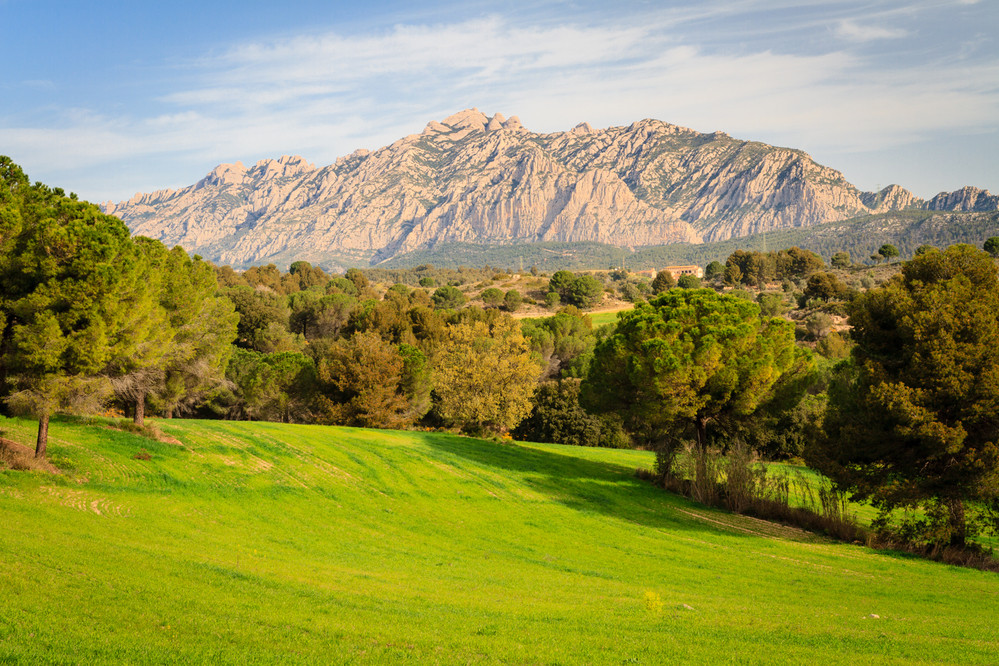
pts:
[112, 98]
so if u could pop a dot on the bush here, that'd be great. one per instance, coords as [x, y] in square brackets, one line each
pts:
[512, 300]
[664, 282]
[630, 292]
[715, 269]
[818, 325]
[557, 417]
[825, 287]
[689, 282]
[447, 298]
[744, 294]
[841, 260]
[834, 346]
[492, 297]
[771, 305]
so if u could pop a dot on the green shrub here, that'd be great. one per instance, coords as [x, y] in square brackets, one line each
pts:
[557, 417]
[492, 297]
[512, 300]
[447, 298]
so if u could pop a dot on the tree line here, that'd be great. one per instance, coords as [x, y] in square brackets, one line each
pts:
[900, 410]
[89, 314]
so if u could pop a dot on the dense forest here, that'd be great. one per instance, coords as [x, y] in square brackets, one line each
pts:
[860, 237]
[884, 378]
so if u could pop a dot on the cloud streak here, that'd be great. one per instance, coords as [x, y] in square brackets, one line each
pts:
[866, 33]
[324, 94]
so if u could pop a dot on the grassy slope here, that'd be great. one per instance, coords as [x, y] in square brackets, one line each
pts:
[267, 542]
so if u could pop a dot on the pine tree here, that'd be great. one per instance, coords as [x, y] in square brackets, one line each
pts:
[913, 420]
[683, 360]
[65, 266]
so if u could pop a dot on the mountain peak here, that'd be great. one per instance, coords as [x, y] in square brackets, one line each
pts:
[480, 179]
[467, 119]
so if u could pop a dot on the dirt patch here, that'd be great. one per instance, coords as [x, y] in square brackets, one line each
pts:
[150, 431]
[758, 527]
[20, 457]
[81, 500]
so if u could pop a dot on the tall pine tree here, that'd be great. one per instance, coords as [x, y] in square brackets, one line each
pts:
[64, 269]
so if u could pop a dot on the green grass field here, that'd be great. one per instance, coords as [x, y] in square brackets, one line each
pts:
[606, 317]
[259, 542]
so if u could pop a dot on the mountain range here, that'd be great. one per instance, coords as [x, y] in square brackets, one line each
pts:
[475, 179]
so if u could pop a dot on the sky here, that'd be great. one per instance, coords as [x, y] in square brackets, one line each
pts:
[107, 99]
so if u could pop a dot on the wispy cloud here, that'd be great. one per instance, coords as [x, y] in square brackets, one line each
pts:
[867, 33]
[40, 84]
[323, 94]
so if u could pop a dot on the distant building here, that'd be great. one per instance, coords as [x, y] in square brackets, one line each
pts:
[677, 271]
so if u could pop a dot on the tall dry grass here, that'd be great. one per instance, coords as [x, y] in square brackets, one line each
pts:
[737, 481]
[20, 457]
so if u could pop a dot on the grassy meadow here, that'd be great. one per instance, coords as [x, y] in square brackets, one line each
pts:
[236, 542]
[606, 316]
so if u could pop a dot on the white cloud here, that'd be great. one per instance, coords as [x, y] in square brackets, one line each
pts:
[605, 74]
[853, 31]
[323, 95]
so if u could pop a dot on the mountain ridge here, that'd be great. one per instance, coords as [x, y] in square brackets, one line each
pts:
[471, 178]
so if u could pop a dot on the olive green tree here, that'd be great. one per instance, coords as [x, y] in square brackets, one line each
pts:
[913, 421]
[684, 359]
[366, 381]
[485, 375]
[664, 281]
[448, 298]
[63, 269]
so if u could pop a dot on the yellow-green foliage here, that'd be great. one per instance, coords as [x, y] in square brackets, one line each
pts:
[485, 375]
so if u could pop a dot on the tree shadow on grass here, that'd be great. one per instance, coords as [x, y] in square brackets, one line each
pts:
[588, 486]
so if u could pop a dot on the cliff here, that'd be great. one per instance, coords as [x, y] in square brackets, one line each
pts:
[475, 179]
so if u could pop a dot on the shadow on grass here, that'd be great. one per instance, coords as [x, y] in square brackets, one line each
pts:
[613, 490]
[583, 485]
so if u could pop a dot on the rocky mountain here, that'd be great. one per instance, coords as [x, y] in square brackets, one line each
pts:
[475, 179]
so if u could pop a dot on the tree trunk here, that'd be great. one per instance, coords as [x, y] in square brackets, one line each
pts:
[701, 481]
[139, 418]
[702, 433]
[43, 436]
[958, 524]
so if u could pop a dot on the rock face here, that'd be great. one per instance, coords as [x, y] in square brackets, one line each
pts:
[964, 199]
[478, 179]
